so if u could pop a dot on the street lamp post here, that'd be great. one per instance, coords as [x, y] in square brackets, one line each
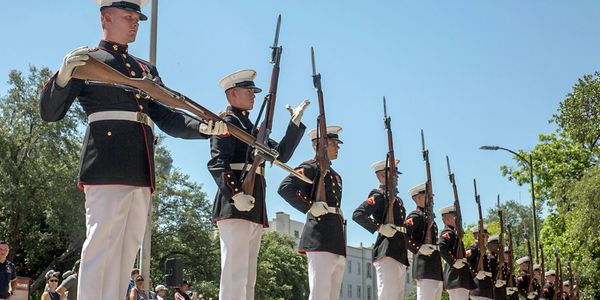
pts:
[529, 163]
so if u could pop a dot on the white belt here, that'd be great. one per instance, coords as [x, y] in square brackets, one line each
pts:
[133, 116]
[240, 166]
[335, 210]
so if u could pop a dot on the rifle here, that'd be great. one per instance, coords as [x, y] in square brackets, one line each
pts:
[558, 280]
[95, 72]
[499, 276]
[322, 158]
[249, 177]
[530, 292]
[390, 173]
[543, 270]
[460, 248]
[511, 259]
[428, 195]
[571, 285]
[480, 242]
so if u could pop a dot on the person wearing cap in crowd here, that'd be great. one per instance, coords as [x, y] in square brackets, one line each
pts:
[323, 237]
[483, 279]
[8, 274]
[137, 292]
[389, 253]
[181, 293]
[548, 289]
[239, 216]
[427, 264]
[161, 292]
[68, 288]
[457, 278]
[512, 291]
[537, 273]
[50, 292]
[499, 289]
[134, 274]
[117, 161]
[524, 278]
[566, 290]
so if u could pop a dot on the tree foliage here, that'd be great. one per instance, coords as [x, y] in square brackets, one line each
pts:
[42, 210]
[579, 114]
[282, 273]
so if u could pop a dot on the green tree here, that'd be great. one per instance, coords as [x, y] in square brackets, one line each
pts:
[579, 114]
[282, 273]
[182, 227]
[43, 215]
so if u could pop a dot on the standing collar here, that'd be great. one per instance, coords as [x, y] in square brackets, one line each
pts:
[114, 47]
[238, 111]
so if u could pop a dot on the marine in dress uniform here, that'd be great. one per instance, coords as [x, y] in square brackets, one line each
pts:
[389, 253]
[457, 277]
[493, 244]
[483, 279]
[512, 292]
[548, 289]
[241, 217]
[117, 159]
[566, 290]
[427, 264]
[323, 238]
[524, 278]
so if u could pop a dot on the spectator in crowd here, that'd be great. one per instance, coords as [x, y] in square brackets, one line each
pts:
[137, 292]
[134, 274]
[161, 292]
[8, 276]
[181, 291]
[68, 288]
[51, 284]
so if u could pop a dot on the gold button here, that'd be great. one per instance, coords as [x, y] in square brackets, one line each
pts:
[228, 175]
[128, 65]
[132, 73]
[115, 47]
[236, 190]
[318, 219]
[109, 133]
[124, 55]
[141, 107]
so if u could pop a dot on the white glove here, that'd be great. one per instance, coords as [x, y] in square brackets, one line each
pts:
[500, 283]
[426, 249]
[459, 264]
[243, 202]
[297, 112]
[75, 58]
[318, 208]
[388, 230]
[213, 128]
[480, 275]
[532, 295]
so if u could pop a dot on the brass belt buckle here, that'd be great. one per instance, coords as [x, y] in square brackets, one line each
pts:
[142, 118]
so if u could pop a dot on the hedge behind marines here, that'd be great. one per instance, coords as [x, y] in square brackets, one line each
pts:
[117, 159]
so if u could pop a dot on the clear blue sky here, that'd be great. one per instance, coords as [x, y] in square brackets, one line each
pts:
[469, 73]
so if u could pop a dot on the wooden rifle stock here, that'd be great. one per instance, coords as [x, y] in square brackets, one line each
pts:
[529, 266]
[265, 128]
[322, 157]
[480, 242]
[511, 258]
[543, 270]
[428, 195]
[558, 287]
[460, 249]
[390, 169]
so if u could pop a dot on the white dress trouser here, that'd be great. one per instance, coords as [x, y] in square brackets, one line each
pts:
[240, 242]
[115, 219]
[428, 289]
[325, 274]
[458, 294]
[391, 278]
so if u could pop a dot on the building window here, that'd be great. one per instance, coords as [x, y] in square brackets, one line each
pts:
[350, 267]
[358, 265]
[296, 234]
[368, 267]
[349, 291]
[358, 292]
[368, 292]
